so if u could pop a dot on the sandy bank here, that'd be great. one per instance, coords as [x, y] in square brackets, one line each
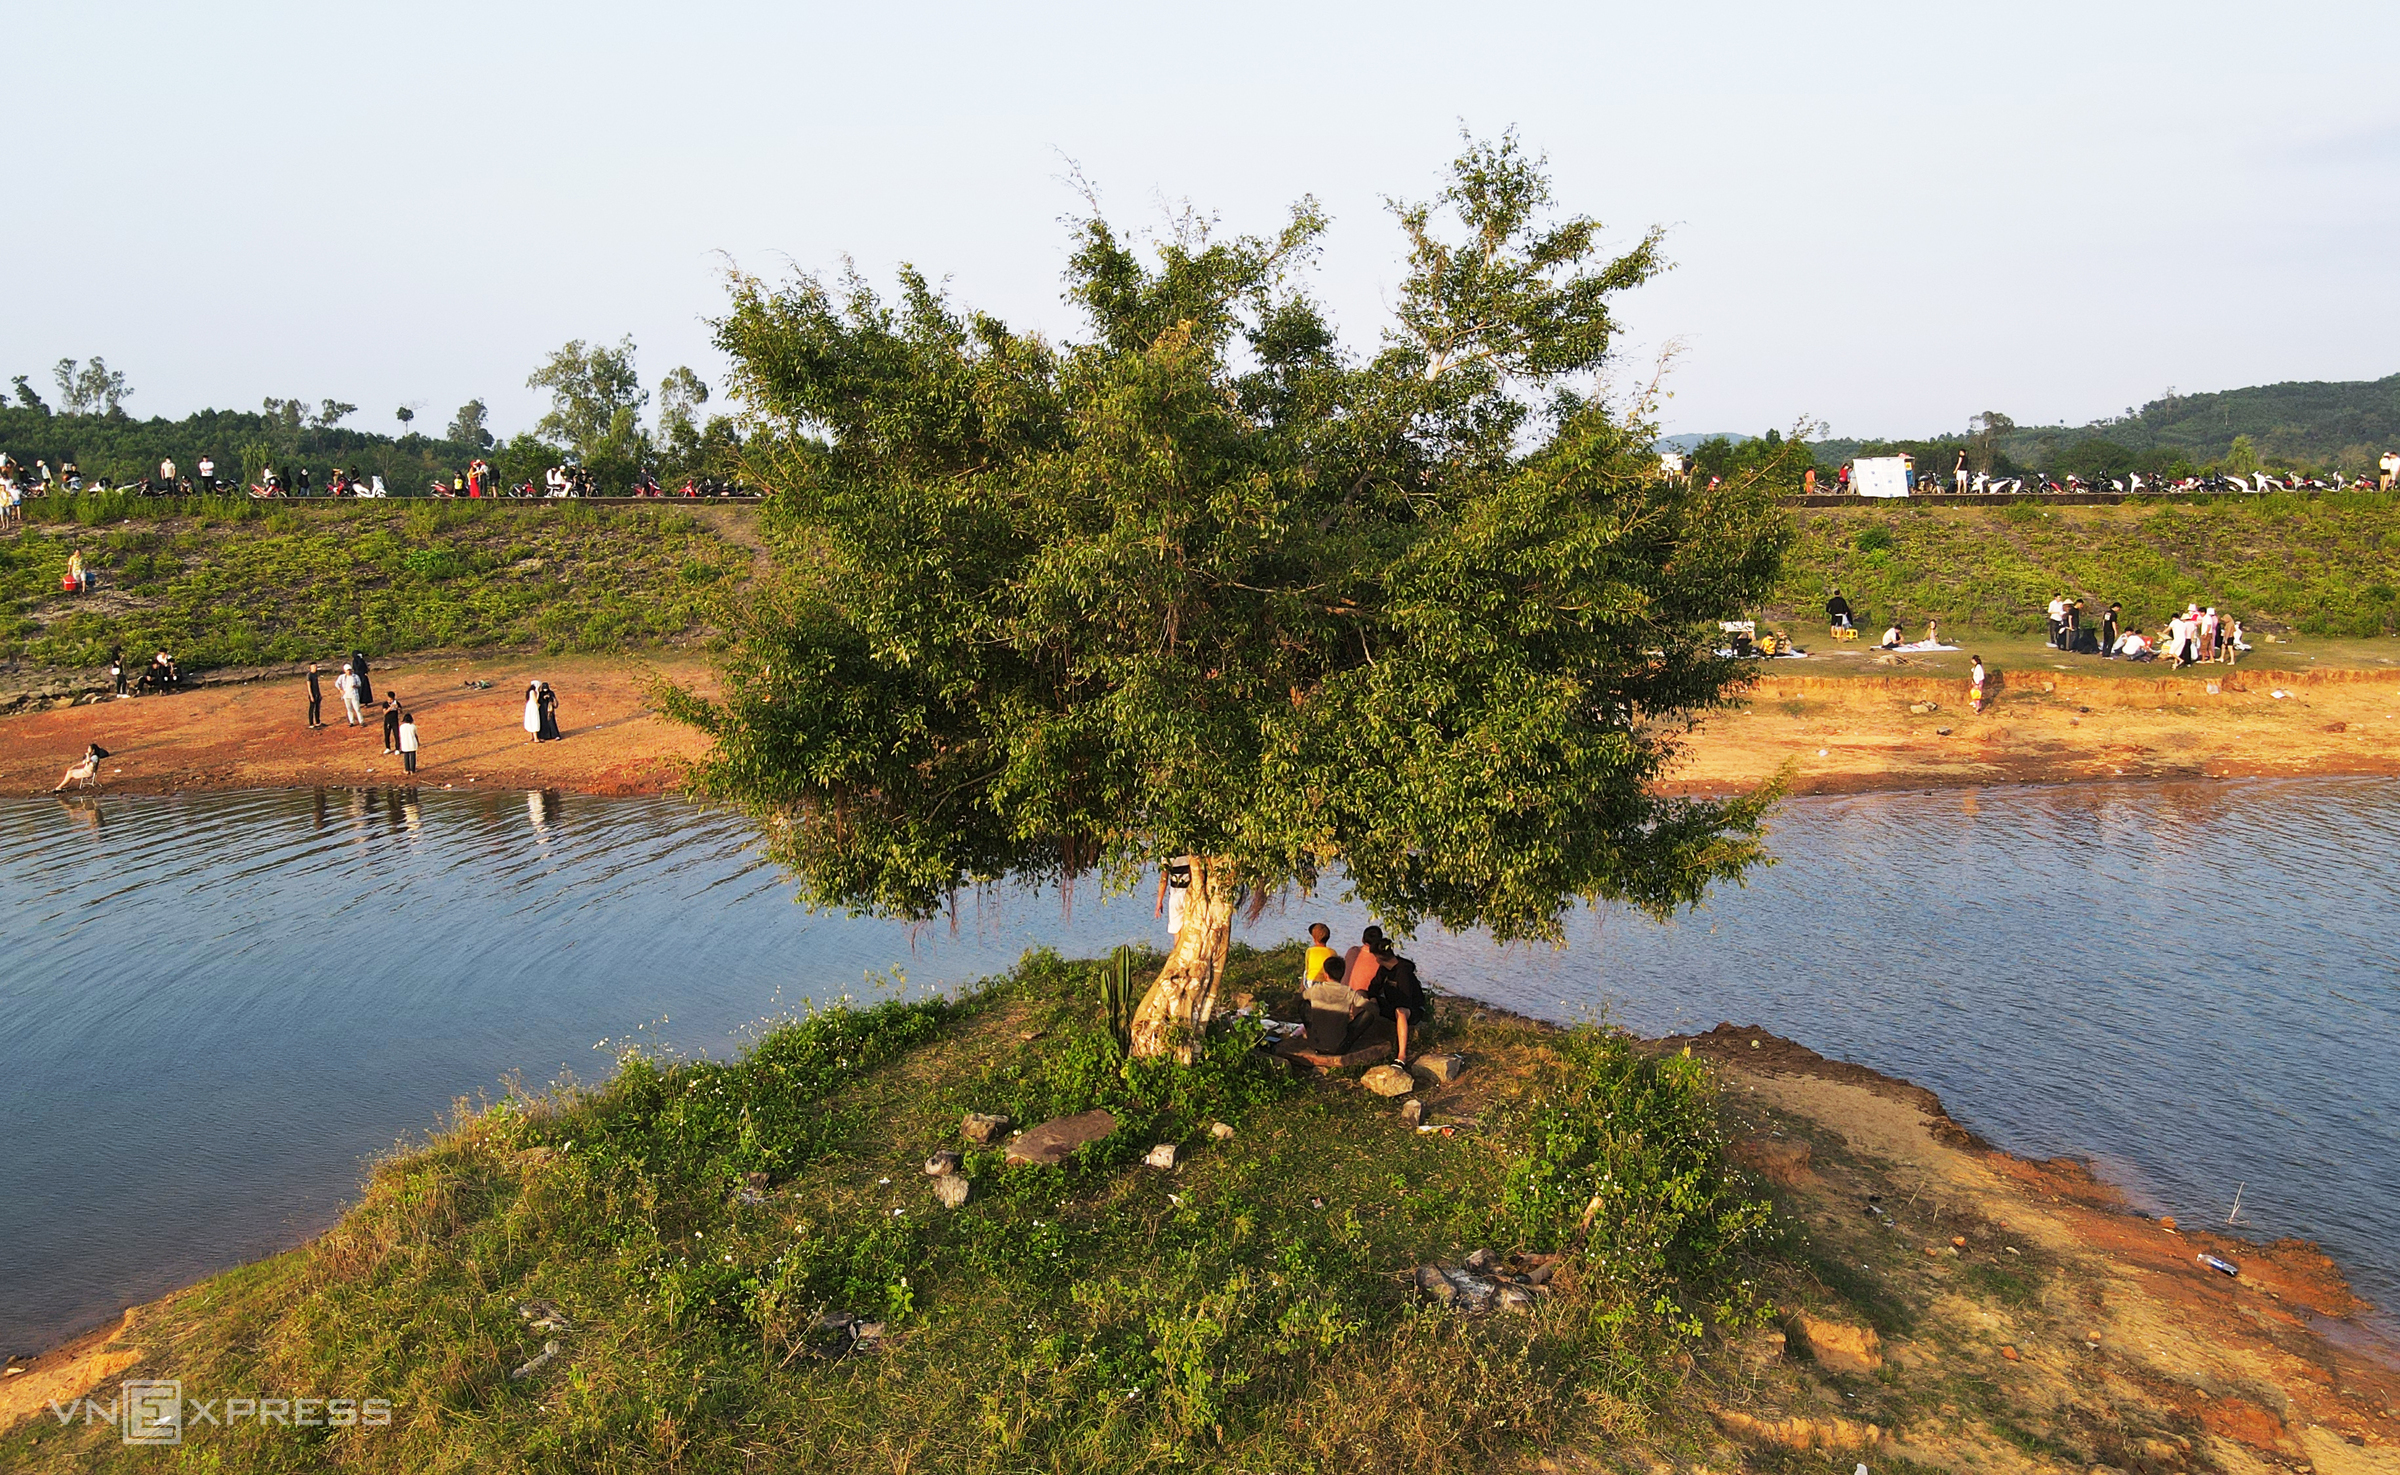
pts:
[1842, 727]
[1912, 728]
[255, 735]
[2051, 1322]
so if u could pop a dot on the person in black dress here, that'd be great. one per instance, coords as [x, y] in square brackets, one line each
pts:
[316, 699]
[548, 703]
[366, 688]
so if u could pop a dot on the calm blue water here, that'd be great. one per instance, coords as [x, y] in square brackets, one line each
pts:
[213, 1007]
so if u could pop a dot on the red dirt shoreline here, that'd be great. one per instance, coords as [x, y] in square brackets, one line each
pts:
[1823, 733]
[254, 735]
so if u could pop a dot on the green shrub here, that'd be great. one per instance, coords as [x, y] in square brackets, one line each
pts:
[1626, 1146]
[434, 564]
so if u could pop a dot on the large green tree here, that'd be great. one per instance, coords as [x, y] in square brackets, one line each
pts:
[1201, 583]
[596, 401]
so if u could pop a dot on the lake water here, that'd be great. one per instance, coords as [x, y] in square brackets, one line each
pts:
[214, 1007]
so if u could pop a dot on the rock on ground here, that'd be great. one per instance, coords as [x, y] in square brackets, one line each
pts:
[1388, 1080]
[1441, 1069]
[981, 1129]
[1050, 1142]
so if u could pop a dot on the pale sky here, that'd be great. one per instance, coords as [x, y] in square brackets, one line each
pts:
[1886, 217]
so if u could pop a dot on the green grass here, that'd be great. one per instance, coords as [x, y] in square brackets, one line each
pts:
[2317, 566]
[1250, 1311]
[232, 582]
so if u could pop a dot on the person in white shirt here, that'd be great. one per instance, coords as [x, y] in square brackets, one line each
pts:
[347, 685]
[208, 473]
[408, 741]
[2391, 468]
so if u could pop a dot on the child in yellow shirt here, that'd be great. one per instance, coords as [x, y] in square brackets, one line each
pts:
[1323, 964]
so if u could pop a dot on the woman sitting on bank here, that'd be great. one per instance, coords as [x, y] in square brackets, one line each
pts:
[82, 774]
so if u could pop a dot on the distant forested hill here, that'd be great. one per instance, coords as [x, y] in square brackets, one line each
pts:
[2318, 426]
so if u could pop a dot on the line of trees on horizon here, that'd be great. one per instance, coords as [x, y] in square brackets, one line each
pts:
[595, 421]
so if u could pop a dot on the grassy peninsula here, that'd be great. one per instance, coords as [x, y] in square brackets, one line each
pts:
[1790, 1263]
[1253, 1309]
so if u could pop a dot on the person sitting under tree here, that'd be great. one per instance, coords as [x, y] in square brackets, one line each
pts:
[1395, 989]
[1320, 964]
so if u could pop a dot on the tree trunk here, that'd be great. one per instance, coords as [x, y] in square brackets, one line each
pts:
[1184, 998]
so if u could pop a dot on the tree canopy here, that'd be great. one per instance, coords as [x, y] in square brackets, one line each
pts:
[1204, 581]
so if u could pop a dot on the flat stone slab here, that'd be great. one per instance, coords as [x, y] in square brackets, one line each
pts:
[1049, 1143]
[1296, 1050]
[1371, 1041]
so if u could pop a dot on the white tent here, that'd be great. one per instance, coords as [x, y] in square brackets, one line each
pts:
[1879, 476]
